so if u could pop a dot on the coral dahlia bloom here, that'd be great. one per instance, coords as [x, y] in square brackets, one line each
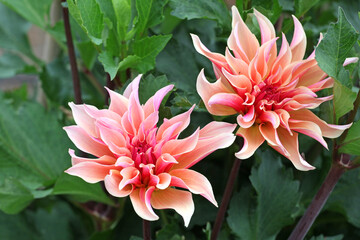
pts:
[135, 157]
[270, 91]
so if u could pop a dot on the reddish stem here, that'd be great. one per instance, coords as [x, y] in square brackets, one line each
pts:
[72, 57]
[226, 199]
[318, 202]
[146, 230]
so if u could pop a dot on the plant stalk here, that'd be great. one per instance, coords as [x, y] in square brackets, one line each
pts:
[72, 57]
[318, 202]
[226, 199]
[146, 230]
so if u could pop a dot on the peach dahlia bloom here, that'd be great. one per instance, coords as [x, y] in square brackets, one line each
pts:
[270, 91]
[135, 157]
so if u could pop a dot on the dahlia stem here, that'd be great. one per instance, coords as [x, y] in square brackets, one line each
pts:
[303, 226]
[146, 230]
[72, 57]
[226, 199]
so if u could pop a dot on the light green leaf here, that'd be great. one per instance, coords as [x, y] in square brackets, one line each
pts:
[276, 200]
[352, 140]
[111, 67]
[79, 189]
[334, 48]
[147, 49]
[345, 197]
[35, 11]
[343, 99]
[13, 33]
[88, 15]
[209, 9]
[122, 10]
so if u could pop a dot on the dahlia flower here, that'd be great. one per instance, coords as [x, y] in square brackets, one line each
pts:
[271, 92]
[135, 157]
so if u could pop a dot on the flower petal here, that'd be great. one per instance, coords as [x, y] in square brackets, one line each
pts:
[104, 160]
[231, 100]
[194, 181]
[85, 142]
[327, 130]
[83, 119]
[252, 140]
[141, 201]
[176, 147]
[90, 172]
[291, 144]
[118, 104]
[266, 28]
[133, 87]
[112, 182]
[153, 103]
[298, 43]
[180, 201]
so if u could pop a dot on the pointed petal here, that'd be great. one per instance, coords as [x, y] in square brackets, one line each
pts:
[90, 172]
[85, 142]
[83, 119]
[328, 130]
[252, 140]
[298, 43]
[308, 128]
[231, 100]
[271, 136]
[176, 147]
[153, 104]
[104, 160]
[266, 28]
[291, 144]
[133, 87]
[180, 201]
[118, 104]
[140, 199]
[194, 181]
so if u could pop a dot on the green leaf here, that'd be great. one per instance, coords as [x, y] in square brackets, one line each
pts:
[111, 67]
[88, 15]
[11, 64]
[14, 196]
[31, 158]
[271, 9]
[322, 237]
[150, 85]
[79, 189]
[276, 200]
[345, 197]
[13, 33]
[343, 99]
[334, 48]
[122, 10]
[35, 11]
[147, 49]
[302, 6]
[208, 9]
[13, 226]
[352, 140]
[87, 52]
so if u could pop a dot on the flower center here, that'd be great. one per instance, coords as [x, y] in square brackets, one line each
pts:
[142, 152]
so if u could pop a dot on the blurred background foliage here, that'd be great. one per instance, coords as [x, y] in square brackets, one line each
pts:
[115, 40]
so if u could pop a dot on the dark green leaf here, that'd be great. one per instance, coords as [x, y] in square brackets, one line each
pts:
[321, 237]
[88, 15]
[150, 85]
[302, 6]
[343, 99]
[271, 9]
[147, 49]
[35, 11]
[352, 140]
[79, 189]
[276, 200]
[11, 64]
[345, 197]
[334, 48]
[88, 53]
[209, 9]
[14, 196]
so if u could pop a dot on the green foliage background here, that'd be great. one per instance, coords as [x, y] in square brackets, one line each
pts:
[122, 38]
